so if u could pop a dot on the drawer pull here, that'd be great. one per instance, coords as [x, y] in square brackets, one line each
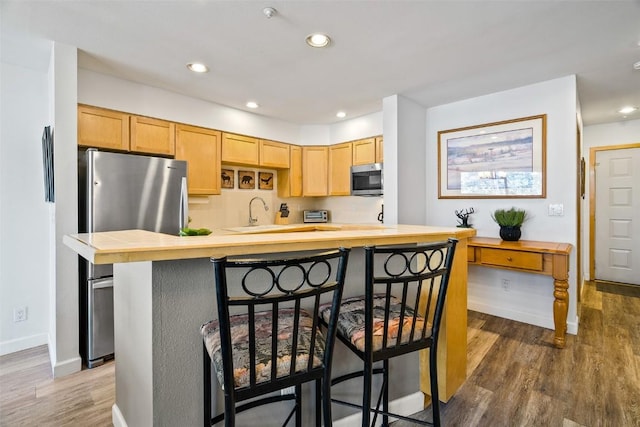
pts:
[509, 259]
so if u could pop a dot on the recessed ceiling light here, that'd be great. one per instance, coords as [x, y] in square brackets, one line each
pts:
[318, 40]
[627, 110]
[252, 104]
[341, 114]
[197, 67]
[269, 12]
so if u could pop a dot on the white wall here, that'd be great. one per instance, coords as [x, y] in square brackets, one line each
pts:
[404, 153]
[109, 92]
[64, 334]
[24, 215]
[619, 133]
[530, 297]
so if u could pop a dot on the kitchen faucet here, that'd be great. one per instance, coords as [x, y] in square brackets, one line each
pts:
[252, 220]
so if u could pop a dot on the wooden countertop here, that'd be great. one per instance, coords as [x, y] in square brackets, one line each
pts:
[138, 245]
[522, 245]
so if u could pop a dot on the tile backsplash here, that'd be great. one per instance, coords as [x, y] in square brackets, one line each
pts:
[231, 207]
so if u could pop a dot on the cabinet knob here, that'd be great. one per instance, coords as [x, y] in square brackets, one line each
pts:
[509, 259]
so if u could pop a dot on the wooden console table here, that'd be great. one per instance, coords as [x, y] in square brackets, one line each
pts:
[548, 258]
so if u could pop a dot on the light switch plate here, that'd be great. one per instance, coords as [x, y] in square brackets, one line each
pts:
[556, 209]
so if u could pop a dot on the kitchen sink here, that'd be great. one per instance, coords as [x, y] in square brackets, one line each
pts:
[292, 228]
[272, 228]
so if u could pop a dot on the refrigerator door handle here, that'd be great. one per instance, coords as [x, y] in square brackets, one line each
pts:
[184, 204]
[107, 282]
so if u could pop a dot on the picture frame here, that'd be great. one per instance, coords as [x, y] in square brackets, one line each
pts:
[265, 180]
[226, 177]
[503, 160]
[246, 180]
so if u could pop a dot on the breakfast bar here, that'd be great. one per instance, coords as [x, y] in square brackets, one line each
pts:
[164, 290]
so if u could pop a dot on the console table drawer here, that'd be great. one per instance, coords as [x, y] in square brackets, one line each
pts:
[514, 259]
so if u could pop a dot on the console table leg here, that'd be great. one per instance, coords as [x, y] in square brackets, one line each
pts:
[561, 303]
[560, 309]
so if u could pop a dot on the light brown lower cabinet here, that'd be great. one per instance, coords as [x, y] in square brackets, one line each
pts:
[201, 148]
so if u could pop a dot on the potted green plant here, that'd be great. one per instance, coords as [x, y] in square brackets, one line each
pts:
[509, 221]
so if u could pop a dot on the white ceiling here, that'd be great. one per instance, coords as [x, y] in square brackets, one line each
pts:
[434, 52]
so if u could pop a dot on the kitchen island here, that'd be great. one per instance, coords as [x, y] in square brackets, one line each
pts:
[164, 290]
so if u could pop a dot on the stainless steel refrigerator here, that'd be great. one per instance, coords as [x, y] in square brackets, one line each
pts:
[121, 192]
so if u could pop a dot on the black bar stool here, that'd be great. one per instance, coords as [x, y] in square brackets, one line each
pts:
[267, 335]
[401, 311]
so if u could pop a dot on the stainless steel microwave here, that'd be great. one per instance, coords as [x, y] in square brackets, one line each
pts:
[367, 180]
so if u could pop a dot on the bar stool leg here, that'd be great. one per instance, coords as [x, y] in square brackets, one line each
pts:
[366, 398]
[206, 361]
[433, 373]
[385, 397]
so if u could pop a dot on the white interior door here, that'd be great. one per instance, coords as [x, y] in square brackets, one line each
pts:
[617, 220]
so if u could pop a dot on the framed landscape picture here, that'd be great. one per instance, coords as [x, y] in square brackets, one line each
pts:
[494, 160]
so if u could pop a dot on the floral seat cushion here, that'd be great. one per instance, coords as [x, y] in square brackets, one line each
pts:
[263, 327]
[351, 321]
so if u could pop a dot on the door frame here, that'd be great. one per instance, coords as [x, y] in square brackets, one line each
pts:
[592, 200]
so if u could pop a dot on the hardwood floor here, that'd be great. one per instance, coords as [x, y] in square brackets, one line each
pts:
[29, 396]
[515, 376]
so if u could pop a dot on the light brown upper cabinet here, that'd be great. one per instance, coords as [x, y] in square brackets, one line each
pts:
[274, 154]
[290, 180]
[115, 130]
[315, 163]
[152, 136]
[340, 159]
[240, 149]
[364, 151]
[379, 149]
[368, 150]
[200, 147]
[102, 128]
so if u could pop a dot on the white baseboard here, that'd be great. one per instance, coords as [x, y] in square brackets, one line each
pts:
[519, 316]
[67, 367]
[406, 405]
[116, 417]
[18, 344]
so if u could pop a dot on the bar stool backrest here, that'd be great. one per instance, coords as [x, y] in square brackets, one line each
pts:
[280, 289]
[405, 289]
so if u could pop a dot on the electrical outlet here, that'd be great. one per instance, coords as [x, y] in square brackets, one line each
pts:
[20, 314]
[505, 284]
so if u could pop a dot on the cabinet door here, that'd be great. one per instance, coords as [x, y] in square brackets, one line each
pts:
[152, 136]
[102, 128]
[239, 149]
[290, 180]
[364, 151]
[340, 158]
[315, 163]
[274, 154]
[379, 149]
[200, 147]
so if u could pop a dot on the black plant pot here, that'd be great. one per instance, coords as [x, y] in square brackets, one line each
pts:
[510, 234]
